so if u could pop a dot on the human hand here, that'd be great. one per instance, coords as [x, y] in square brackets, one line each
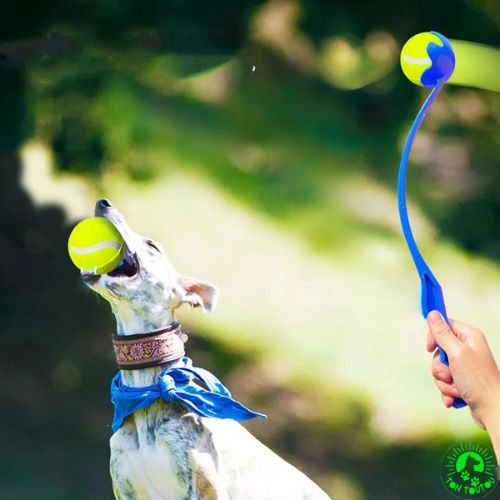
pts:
[472, 373]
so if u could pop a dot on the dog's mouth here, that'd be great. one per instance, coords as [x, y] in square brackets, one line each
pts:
[129, 265]
[127, 268]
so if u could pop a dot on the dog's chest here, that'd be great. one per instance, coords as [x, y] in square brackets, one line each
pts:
[151, 474]
[146, 462]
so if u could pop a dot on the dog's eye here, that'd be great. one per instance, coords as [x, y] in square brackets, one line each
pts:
[152, 245]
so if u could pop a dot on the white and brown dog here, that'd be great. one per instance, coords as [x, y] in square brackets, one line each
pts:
[166, 451]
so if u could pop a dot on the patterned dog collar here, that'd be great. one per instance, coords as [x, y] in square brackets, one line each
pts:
[149, 349]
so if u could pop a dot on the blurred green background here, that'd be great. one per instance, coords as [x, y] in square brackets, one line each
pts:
[259, 141]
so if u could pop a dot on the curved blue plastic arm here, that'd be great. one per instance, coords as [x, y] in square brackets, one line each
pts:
[432, 295]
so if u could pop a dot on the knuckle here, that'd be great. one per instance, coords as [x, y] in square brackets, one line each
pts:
[480, 335]
[442, 329]
[456, 353]
[435, 367]
[450, 390]
[440, 386]
[438, 371]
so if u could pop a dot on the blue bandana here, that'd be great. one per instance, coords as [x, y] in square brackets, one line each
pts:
[183, 384]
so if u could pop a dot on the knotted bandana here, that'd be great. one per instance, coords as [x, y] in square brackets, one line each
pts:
[184, 384]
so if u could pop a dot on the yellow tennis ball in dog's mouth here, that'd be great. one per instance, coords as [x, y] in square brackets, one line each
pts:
[96, 246]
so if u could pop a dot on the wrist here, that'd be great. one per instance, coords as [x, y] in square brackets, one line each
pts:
[491, 416]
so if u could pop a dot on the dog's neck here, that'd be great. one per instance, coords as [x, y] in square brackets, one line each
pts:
[132, 323]
[145, 376]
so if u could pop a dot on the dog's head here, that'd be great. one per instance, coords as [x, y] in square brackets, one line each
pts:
[145, 284]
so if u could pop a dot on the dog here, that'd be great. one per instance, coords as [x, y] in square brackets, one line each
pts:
[166, 451]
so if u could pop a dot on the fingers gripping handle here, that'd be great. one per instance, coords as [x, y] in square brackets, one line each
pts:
[432, 300]
[457, 402]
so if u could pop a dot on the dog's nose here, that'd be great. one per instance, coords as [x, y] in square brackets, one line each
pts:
[103, 203]
[102, 206]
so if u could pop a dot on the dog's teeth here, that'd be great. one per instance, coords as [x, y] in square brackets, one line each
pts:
[95, 269]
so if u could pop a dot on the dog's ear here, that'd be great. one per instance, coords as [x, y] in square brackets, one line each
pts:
[198, 293]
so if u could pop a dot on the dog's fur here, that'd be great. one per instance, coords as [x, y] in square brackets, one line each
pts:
[166, 451]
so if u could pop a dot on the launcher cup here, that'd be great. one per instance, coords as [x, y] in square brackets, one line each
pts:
[429, 57]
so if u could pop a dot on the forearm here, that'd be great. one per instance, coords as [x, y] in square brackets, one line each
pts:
[495, 440]
[492, 424]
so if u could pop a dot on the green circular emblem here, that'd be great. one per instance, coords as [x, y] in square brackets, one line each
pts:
[468, 470]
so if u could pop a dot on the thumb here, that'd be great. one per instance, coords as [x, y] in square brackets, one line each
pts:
[441, 331]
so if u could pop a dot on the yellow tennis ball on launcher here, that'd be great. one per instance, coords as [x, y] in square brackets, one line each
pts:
[96, 246]
[427, 58]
